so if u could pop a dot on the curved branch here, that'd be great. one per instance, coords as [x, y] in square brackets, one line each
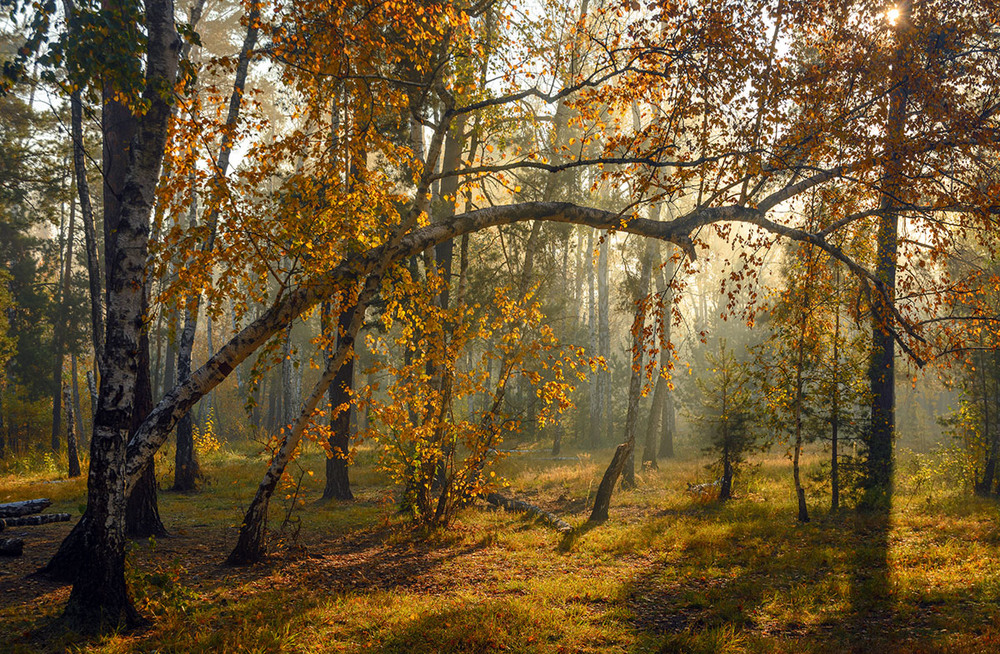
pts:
[154, 431]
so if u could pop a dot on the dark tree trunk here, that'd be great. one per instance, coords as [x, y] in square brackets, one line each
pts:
[602, 502]
[800, 492]
[100, 597]
[623, 454]
[993, 435]
[882, 365]
[668, 422]
[273, 406]
[61, 327]
[984, 485]
[338, 483]
[186, 469]
[74, 458]
[594, 428]
[157, 361]
[54, 442]
[653, 426]
[251, 547]
[835, 407]
[169, 378]
[62, 567]
[604, 339]
[635, 380]
[75, 390]
[142, 512]
[92, 390]
[444, 252]
[87, 214]
[657, 425]
[726, 484]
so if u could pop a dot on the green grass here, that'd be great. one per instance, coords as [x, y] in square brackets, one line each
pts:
[668, 573]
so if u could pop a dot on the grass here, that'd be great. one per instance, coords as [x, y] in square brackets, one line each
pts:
[669, 572]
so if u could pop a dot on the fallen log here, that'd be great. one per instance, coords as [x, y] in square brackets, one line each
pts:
[11, 547]
[34, 520]
[517, 506]
[27, 507]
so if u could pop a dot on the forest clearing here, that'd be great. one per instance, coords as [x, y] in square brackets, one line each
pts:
[672, 572]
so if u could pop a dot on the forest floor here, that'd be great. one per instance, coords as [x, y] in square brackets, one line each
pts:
[670, 572]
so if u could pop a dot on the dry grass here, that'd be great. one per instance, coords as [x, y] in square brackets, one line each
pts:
[669, 572]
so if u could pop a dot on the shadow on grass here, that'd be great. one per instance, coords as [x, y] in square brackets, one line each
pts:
[380, 559]
[755, 574]
[871, 603]
[489, 626]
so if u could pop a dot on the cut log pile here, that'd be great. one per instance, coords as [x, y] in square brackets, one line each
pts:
[20, 514]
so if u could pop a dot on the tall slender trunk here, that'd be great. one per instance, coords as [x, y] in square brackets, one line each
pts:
[157, 363]
[452, 160]
[667, 415]
[594, 428]
[186, 469]
[578, 303]
[61, 328]
[210, 404]
[187, 472]
[100, 596]
[240, 383]
[92, 391]
[74, 459]
[338, 483]
[638, 346]
[882, 370]
[726, 485]
[87, 212]
[800, 492]
[604, 337]
[273, 403]
[289, 399]
[142, 511]
[3, 427]
[660, 389]
[800, 363]
[170, 355]
[620, 461]
[984, 485]
[994, 437]
[835, 405]
[75, 388]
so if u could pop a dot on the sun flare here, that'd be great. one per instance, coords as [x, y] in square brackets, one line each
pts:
[892, 15]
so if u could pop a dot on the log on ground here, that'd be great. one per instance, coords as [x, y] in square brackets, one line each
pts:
[518, 506]
[27, 507]
[34, 520]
